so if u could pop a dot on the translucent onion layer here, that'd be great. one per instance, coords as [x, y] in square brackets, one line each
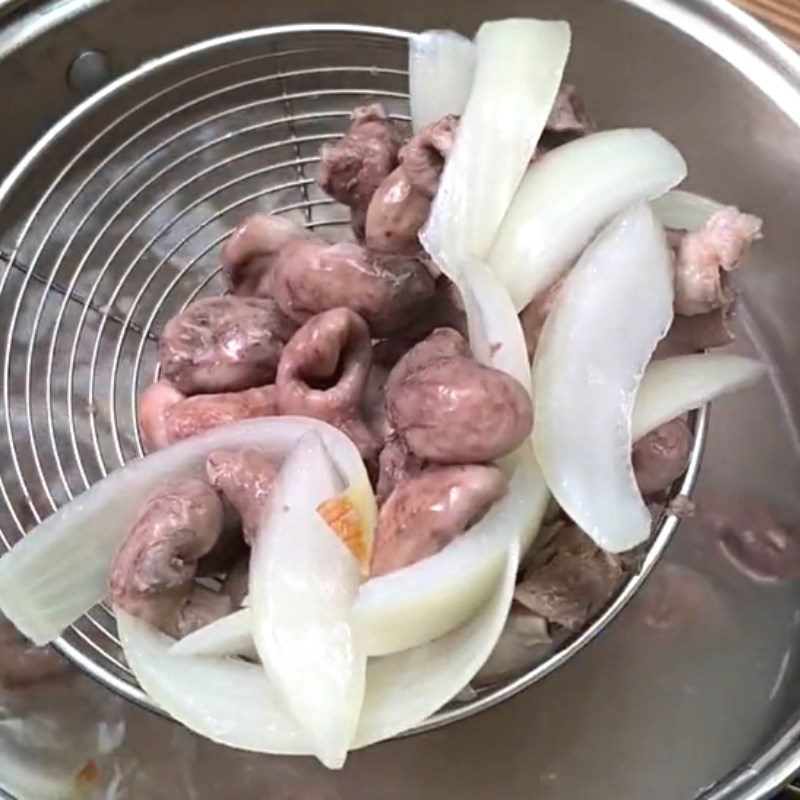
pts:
[441, 65]
[303, 582]
[519, 70]
[672, 386]
[568, 195]
[614, 307]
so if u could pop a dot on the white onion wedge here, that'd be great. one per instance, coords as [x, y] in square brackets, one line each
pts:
[233, 703]
[614, 307]
[568, 195]
[406, 688]
[230, 636]
[229, 702]
[303, 582]
[684, 211]
[421, 602]
[672, 386]
[60, 570]
[440, 69]
[519, 70]
[495, 333]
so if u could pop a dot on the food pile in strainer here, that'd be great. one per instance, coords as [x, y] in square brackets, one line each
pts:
[350, 453]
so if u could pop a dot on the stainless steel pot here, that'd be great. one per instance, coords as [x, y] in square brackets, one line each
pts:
[651, 709]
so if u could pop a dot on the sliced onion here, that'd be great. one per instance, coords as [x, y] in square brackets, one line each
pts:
[230, 636]
[406, 688]
[60, 570]
[568, 195]
[303, 582]
[233, 703]
[227, 701]
[422, 602]
[612, 310]
[440, 69]
[495, 333]
[684, 211]
[672, 386]
[519, 70]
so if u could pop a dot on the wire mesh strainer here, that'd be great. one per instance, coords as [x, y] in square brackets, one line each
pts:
[113, 223]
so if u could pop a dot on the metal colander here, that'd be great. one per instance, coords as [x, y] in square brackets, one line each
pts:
[118, 216]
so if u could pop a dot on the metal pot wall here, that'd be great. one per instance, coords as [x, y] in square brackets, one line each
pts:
[692, 691]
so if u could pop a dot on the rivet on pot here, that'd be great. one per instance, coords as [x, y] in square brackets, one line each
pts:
[88, 72]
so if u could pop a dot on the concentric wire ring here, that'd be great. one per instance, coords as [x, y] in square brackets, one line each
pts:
[112, 223]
